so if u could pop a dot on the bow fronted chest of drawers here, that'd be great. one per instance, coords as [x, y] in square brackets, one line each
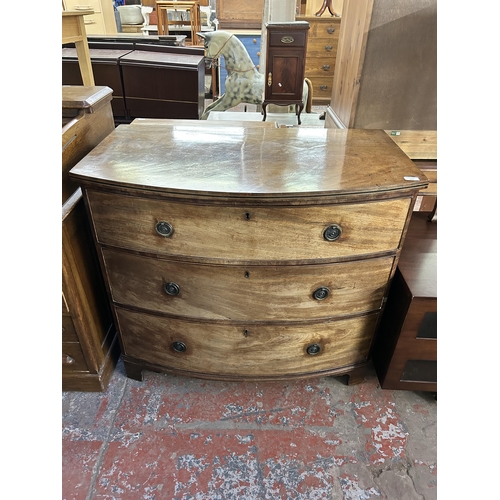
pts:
[247, 253]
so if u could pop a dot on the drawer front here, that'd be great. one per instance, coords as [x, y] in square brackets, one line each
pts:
[329, 30]
[247, 233]
[318, 67]
[94, 24]
[322, 87]
[68, 330]
[94, 5]
[255, 351]
[247, 292]
[285, 39]
[326, 50]
[73, 359]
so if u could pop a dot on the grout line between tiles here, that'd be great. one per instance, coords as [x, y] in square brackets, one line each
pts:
[104, 447]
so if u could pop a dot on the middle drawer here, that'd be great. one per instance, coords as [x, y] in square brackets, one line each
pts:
[255, 293]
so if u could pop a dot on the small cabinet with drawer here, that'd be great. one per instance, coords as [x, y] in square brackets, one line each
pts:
[285, 65]
[267, 257]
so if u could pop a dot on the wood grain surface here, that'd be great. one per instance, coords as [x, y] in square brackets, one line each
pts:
[259, 350]
[251, 293]
[266, 233]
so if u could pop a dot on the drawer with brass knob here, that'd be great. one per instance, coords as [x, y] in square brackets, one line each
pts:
[248, 233]
[266, 351]
[261, 293]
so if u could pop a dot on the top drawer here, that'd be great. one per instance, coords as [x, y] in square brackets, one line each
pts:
[94, 5]
[247, 233]
[324, 30]
[284, 39]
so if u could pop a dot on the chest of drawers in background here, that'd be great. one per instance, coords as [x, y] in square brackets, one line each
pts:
[101, 22]
[247, 253]
[251, 40]
[321, 55]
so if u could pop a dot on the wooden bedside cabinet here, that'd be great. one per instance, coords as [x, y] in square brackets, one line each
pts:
[247, 253]
[285, 65]
[405, 353]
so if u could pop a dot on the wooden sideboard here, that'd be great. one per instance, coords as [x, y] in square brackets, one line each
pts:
[247, 253]
[148, 80]
[89, 340]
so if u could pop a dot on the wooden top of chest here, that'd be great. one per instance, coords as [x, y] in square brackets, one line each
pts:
[196, 158]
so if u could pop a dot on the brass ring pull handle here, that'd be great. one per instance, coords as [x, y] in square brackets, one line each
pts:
[179, 346]
[329, 48]
[330, 30]
[313, 349]
[323, 87]
[332, 232]
[321, 293]
[164, 229]
[171, 288]
[326, 67]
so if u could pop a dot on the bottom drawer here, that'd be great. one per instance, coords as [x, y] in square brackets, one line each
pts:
[253, 350]
[322, 87]
[73, 359]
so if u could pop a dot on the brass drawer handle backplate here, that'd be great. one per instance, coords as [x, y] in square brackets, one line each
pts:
[287, 39]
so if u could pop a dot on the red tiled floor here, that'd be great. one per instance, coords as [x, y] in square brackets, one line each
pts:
[178, 438]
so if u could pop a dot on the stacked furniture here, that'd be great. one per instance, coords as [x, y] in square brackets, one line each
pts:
[226, 264]
[148, 80]
[187, 9]
[321, 55]
[89, 342]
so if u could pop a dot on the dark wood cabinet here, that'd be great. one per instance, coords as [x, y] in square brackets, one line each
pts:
[405, 353]
[285, 64]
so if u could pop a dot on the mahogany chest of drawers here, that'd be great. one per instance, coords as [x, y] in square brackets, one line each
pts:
[247, 253]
